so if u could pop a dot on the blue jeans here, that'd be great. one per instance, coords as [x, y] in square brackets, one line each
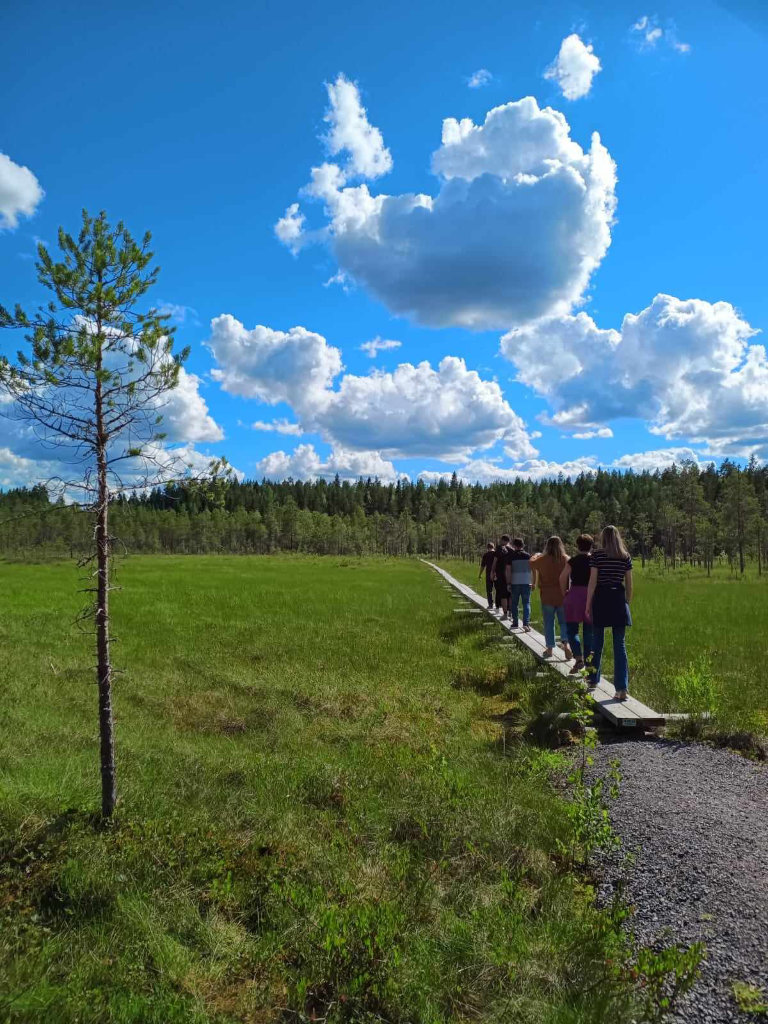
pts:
[573, 639]
[620, 663]
[520, 592]
[549, 612]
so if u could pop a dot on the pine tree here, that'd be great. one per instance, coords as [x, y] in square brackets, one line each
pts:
[92, 385]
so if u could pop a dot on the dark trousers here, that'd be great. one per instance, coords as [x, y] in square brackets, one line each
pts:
[489, 588]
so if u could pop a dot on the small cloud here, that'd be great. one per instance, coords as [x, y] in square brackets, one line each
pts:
[179, 314]
[479, 78]
[648, 33]
[278, 427]
[339, 278]
[535, 435]
[372, 348]
[589, 435]
[20, 193]
[574, 67]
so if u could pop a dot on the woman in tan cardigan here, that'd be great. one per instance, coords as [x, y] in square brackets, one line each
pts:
[547, 568]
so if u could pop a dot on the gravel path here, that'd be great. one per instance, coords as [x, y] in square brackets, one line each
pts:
[697, 820]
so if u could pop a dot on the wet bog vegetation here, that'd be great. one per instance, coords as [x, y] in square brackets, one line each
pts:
[322, 814]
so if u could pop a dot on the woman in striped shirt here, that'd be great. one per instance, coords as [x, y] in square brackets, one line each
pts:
[608, 596]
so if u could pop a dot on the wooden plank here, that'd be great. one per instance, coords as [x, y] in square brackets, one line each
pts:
[624, 714]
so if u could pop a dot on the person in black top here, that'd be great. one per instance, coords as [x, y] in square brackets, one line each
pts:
[501, 572]
[486, 563]
[574, 581]
[608, 598]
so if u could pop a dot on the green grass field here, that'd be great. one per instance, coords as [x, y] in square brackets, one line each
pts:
[316, 817]
[686, 624]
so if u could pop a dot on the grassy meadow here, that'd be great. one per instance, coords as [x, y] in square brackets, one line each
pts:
[317, 820]
[694, 638]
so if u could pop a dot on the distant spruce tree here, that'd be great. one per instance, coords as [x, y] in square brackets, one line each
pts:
[92, 385]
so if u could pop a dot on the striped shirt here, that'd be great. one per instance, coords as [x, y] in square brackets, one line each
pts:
[610, 571]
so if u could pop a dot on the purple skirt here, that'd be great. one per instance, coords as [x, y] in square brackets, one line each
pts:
[575, 604]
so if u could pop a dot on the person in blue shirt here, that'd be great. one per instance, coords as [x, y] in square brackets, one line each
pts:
[520, 583]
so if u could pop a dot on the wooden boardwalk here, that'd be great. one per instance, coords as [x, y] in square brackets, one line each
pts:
[624, 714]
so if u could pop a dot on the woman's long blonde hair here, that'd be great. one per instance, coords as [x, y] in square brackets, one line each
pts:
[612, 544]
[555, 549]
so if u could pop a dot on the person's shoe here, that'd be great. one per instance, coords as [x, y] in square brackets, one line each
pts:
[505, 617]
[548, 652]
[490, 606]
[578, 666]
[515, 625]
[526, 629]
[621, 695]
[567, 652]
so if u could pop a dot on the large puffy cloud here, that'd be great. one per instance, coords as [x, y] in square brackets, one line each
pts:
[520, 221]
[20, 192]
[295, 366]
[304, 463]
[445, 412]
[574, 67]
[686, 366]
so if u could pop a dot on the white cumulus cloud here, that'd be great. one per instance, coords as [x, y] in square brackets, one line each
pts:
[20, 192]
[295, 366]
[447, 411]
[185, 412]
[304, 463]
[290, 228]
[376, 345]
[521, 219]
[687, 367]
[351, 132]
[574, 67]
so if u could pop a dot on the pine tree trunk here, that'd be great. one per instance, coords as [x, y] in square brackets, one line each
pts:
[104, 666]
[103, 662]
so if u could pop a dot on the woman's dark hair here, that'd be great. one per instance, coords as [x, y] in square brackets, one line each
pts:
[584, 542]
[518, 542]
[490, 544]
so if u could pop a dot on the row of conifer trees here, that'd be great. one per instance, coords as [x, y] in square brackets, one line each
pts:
[684, 514]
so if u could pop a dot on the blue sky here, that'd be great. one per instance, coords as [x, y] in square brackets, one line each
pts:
[513, 280]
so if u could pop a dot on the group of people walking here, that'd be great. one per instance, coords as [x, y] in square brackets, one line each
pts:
[590, 591]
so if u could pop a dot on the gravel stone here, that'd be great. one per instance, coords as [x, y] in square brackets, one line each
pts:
[696, 821]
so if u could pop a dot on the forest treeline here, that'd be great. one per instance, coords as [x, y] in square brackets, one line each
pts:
[680, 514]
